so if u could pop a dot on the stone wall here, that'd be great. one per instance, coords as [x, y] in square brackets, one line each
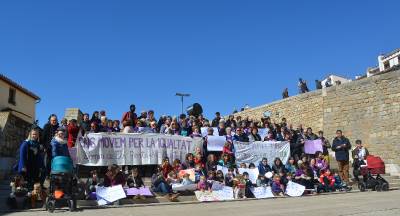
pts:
[13, 132]
[366, 109]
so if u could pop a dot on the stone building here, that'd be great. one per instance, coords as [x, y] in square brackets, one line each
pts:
[366, 109]
[17, 114]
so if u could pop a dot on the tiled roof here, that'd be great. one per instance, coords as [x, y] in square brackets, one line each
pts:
[19, 87]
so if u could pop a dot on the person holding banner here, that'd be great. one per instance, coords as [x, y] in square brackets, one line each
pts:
[254, 136]
[240, 136]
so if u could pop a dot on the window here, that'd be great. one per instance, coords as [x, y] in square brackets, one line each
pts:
[11, 96]
[386, 65]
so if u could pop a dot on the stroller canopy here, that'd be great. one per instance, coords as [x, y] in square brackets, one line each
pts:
[61, 164]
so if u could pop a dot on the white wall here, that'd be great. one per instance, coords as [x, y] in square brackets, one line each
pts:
[392, 59]
[23, 102]
[334, 79]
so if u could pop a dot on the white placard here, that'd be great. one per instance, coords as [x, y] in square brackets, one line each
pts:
[262, 192]
[107, 195]
[253, 173]
[215, 143]
[204, 132]
[294, 189]
[181, 187]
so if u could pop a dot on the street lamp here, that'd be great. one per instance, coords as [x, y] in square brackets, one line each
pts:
[182, 95]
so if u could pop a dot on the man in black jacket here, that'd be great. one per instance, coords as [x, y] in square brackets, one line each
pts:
[240, 136]
[49, 130]
[215, 121]
[341, 146]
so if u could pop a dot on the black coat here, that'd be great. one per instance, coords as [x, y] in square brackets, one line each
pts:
[135, 182]
[49, 131]
[341, 154]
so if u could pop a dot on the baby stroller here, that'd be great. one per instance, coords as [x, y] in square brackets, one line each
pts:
[62, 183]
[374, 166]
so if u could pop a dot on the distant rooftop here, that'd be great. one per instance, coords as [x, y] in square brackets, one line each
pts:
[18, 86]
[391, 53]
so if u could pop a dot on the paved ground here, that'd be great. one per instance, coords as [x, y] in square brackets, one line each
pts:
[357, 204]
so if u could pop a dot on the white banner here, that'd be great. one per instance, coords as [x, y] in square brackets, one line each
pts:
[103, 149]
[294, 189]
[262, 192]
[256, 151]
[253, 173]
[215, 143]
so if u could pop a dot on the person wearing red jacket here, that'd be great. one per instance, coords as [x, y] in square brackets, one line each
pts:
[327, 182]
[73, 131]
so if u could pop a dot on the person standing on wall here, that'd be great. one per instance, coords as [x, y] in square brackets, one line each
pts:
[341, 146]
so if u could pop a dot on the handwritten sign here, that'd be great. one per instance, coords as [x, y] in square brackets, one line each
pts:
[191, 173]
[226, 193]
[294, 189]
[107, 195]
[262, 192]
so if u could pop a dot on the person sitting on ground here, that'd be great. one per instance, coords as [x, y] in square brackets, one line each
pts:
[38, 194]
[186, 179]
[177, 166]
[249, 185]
[321, 164]
[278, 165]
[264, 167]
[211, 164]
[277, 188]
[262, 181]
[219, 176]
[285, 178]
[239, 187]
[91, 184]
[202, 184]
[166, 167]
[327, 182]
[291, 166]
[225, 161]
[114, 176]
[305, 176]
[134, 180]
[19, 193]
[229, 176]
[198, 171]
[189, 161]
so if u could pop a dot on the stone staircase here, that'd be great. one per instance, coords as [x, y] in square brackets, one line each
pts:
[394, 184]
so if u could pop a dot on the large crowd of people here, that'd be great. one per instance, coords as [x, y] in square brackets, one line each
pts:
[310, 170]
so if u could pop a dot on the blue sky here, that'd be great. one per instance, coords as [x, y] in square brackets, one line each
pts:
[108, 54]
